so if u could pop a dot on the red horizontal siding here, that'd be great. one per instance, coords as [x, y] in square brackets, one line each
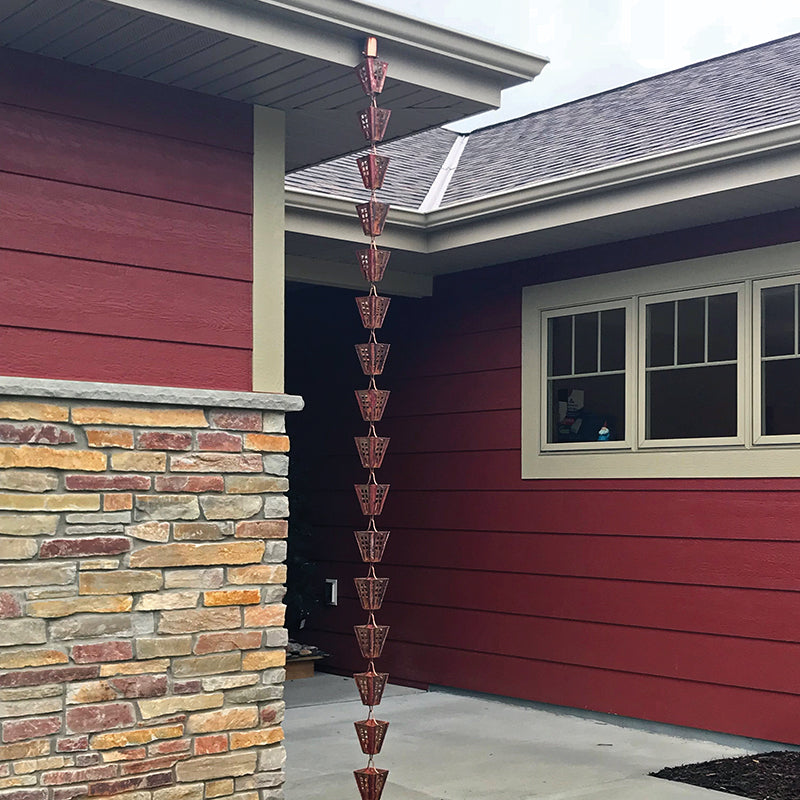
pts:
[125, 229]
[669, 600]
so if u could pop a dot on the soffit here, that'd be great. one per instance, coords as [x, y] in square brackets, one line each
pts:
[296, 57]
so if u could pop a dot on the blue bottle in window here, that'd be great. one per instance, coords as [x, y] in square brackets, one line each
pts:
[604, 434]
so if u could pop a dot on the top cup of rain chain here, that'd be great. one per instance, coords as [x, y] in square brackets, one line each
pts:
[373, 263]
[372, 74]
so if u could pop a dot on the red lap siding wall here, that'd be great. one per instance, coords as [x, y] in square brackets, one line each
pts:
[125, 229]
[668, 600]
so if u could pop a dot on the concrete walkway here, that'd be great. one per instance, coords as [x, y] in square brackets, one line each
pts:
[444, 745]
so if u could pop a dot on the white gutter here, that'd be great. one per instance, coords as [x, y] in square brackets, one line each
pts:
[433, 198]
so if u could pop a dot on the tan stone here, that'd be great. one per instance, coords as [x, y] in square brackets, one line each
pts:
[37, 574]
[120, 581]
[232, 597]
[17, 549]
[211, 578]
[258, 738]
[236, 506]
[219, 788]
[185, 554]
[257, 574]
[190, 791]
[30, 707]
[44, 412]
[20, 659]
[217, 462]
[28, 524]
[149, 531]
[27, 480]
[107, 604]
[225, 719]
[218, 683]
[227, 640]
[219, 766]
[140, 417]
[90, 692]
[139, 462]
[262, 529]
[42, 456]
[32, 692]
[134, 667]
[99, 563]
[163, 600]
[153, 647]
[118, 502]
[193, 620]
[31, 749]
[266, 442]
[97, 437]
[255, 484]
[207, 665]
[263, 659]
[264, 616]
[164, 706]
[41, 764]
[108, 741]
[17, 781]
[49, 502]
[202, 531]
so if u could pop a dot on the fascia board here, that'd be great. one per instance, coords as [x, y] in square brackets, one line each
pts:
[333, 30]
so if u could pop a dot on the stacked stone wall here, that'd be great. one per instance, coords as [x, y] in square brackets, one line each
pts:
[141, 580]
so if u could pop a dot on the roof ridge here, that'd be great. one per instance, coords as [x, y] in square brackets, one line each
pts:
[614, 89]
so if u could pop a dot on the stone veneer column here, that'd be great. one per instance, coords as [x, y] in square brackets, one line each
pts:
[142, 531]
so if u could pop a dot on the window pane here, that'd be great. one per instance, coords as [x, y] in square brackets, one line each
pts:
[722, 327]
[660, 334]
[692, 330]
[579, 407]
[781, 388]
[586, 343]
[692, 403]
[559, 343]
[777, 321]
[612, 339]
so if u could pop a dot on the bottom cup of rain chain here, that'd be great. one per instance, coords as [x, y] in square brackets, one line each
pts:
[371, 685]
[371, 639]
[370, 782]
[371, 733]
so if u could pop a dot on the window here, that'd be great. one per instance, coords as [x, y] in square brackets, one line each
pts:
[684, 369]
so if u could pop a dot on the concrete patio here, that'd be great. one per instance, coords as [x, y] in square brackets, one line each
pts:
[447, 745]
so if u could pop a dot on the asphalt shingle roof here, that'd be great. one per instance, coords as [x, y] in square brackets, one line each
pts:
[746, 91]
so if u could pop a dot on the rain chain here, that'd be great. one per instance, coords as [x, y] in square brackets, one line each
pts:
[372, 448]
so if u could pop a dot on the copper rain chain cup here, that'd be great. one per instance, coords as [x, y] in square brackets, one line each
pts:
[373, 263]
[372, 215]
[371, 545]
[371, 733]
[371, 685]
[372, 356]
[371, 497]
[371, 592]
[371, 639]
[371, 781]
[371, 450]
[374, 122]
[373, 170]
[372, 403]
[372, 74]
[372, 308]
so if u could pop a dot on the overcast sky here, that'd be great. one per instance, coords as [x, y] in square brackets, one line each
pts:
[595, 45]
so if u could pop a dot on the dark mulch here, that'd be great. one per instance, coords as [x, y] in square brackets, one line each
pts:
[763, 776]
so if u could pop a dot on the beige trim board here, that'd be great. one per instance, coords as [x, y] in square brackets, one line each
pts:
[268, 258]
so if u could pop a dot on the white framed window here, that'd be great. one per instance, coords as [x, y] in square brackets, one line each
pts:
[687, 369]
